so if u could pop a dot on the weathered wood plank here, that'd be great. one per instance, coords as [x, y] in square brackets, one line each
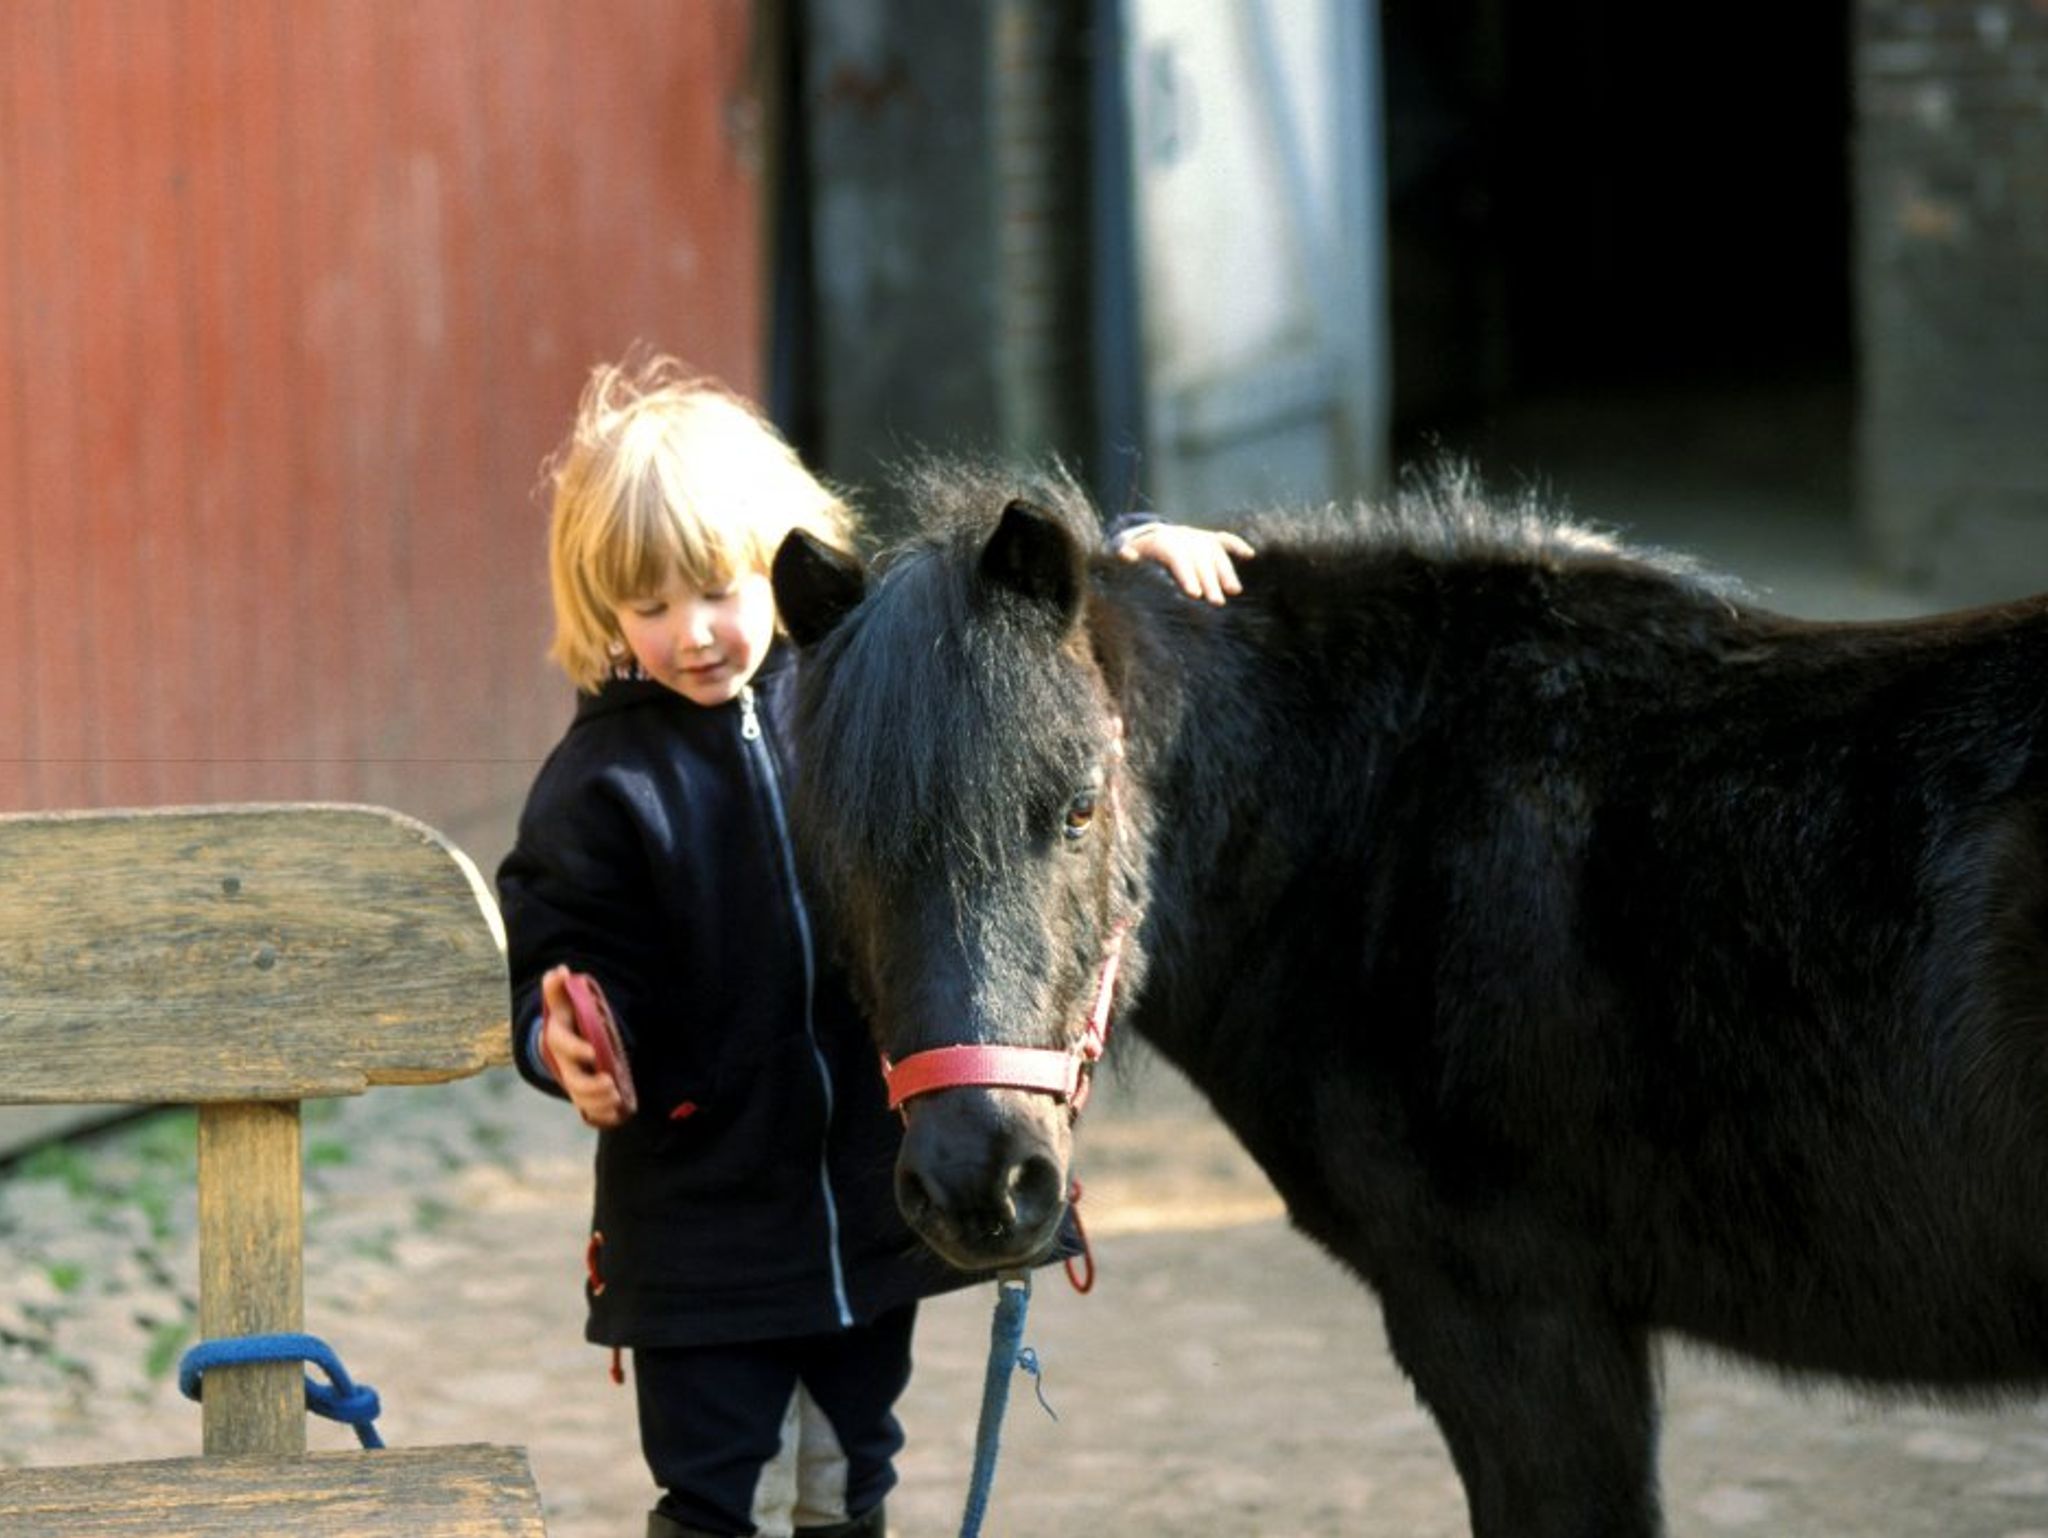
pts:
[251, 1273]
[241, 953]
[467, 1491]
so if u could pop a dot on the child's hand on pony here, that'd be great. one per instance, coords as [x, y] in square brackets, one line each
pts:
[1202, 561]
[593, 1089]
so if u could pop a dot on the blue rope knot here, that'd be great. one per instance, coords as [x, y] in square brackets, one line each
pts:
[341, 1399]
[1027, 1360]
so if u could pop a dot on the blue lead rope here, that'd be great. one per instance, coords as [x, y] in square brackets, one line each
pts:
[341, 1399]
[1005, 1355]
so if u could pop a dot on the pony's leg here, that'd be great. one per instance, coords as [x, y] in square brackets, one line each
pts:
[1550, 1412]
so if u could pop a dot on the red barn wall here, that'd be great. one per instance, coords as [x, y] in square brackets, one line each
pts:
[294, 298]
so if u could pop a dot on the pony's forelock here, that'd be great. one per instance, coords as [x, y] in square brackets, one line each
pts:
[926, 696]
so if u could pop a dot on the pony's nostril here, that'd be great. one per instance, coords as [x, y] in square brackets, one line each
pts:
[1034, 1191]
[914, 1198]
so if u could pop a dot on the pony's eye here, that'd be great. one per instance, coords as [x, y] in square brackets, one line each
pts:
[1080, 812]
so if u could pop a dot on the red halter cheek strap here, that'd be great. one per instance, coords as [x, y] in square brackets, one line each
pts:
[1059, 1073]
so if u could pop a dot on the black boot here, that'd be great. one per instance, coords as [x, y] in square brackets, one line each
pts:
[874, 1525]
[661, 1525]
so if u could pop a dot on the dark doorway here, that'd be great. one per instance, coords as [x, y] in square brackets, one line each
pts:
[1601, 198]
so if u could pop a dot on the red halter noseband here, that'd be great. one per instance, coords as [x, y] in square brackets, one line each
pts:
[1051, 1071]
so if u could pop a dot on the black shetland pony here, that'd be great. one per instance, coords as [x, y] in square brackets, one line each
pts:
[1583, 952]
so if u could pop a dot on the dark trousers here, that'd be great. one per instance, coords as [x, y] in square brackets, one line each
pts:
[716, 1423]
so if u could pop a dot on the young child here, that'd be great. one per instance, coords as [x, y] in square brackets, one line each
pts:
[746, 1244]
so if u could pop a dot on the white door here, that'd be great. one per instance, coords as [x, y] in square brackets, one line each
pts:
[1256, 159]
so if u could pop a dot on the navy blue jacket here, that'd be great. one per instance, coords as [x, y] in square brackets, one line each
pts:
[750, 1198]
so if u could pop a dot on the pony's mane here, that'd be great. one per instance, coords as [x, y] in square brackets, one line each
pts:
[1446, 513]
[948, 506]
[1441, 512]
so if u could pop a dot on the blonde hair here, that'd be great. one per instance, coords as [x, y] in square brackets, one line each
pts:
[662, 472]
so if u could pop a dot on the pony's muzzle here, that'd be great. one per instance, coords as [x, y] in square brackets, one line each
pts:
[982, 1174]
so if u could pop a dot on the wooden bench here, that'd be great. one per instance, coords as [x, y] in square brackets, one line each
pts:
[243, 959]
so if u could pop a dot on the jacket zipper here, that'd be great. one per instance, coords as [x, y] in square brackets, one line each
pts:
[771, 779]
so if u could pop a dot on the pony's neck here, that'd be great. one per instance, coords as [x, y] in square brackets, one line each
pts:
[1258, 735]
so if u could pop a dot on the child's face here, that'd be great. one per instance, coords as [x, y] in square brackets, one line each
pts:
[705, 645]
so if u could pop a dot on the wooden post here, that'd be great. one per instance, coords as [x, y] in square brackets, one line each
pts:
[251, 1271]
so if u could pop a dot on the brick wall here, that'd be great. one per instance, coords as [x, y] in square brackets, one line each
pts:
[1952, 274]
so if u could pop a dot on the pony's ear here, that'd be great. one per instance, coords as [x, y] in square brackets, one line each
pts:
[1032, 555]
[816, 586]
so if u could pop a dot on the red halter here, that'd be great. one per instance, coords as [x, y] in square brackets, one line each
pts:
[1059, 1073]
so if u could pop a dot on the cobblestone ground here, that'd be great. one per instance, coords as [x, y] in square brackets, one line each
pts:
[1223, 1378]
